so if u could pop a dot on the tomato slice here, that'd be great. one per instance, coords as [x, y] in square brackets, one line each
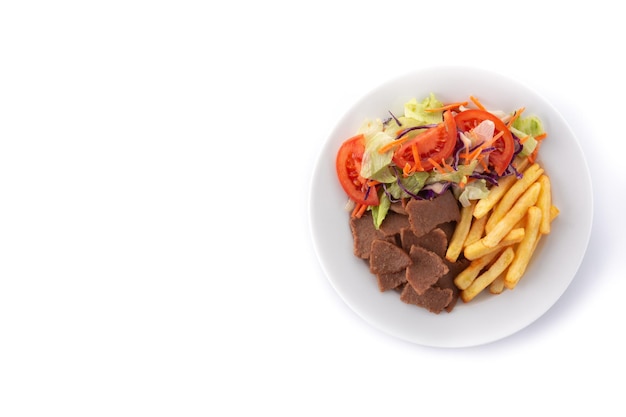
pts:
[501, 157]
[348, 164]
[436, 143]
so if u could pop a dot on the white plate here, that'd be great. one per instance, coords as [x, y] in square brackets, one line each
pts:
[487, 318]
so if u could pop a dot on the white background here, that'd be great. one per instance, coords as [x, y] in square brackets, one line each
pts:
[155, 254]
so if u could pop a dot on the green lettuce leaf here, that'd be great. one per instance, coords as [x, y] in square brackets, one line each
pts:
[415, 110]
[527, 126]
[530, 125]
[374, 164]
[529, 144]
[413, 183]
[379, 212]
[475, 190]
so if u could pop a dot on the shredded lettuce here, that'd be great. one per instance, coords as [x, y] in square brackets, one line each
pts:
[376, 165]
[370, 127]
[379, 212]
[530, 126]
[401, 187]
[415, 110]
[529, 144]
[392, 127]
[405, 187]
[475, 190]
[458, 176]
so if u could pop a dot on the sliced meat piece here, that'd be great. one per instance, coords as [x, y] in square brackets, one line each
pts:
[434, 299]
[448, 229]
[398, 207]
[434, 241]
[363, 233]
[387, 258]
[426, 269]
[425, 215]
[400, 288]
[447, 281]
[391, 281]
[393, 223]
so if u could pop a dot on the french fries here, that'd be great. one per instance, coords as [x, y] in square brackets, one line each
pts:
[482, 281]
[525, 249]
[530, 176]
[467, 276]
[497, 286]
[499, 234]
[455, 247]
[484, 205]
[479, 249]
[544, 202]
[515, 214]
[476, 229]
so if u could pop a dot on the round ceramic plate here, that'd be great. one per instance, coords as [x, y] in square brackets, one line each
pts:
[488, 317]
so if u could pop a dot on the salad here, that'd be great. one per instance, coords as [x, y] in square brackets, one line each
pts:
[433, 147]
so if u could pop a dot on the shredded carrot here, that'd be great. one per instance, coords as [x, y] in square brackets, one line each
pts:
[542, 136]
[447, 166]
[524, 139]
[467, 156]
[416, 158]
[388, 146]
[438, 167]
[515, 116]
[406, 170]
[533, 156]
[477, 103]
[448, 106]
[482, 162]
[475, 153]
[361, 210]
[372, 183]
[495, 138]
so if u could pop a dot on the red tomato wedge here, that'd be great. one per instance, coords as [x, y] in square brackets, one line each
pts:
[501, 157]
[436, 143]
[348, 164]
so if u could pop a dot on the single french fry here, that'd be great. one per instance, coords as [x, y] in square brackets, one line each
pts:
[465, 278]
[497, 286]
[455, 246]
[478, 249]
[554, 212]
[512, 195]
[476, 230]
[525, 248]
[486, 278]
[519, 209]
[521, 223]
[544, 202]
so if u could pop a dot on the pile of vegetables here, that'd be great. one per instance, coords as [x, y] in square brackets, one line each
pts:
[430, 148]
